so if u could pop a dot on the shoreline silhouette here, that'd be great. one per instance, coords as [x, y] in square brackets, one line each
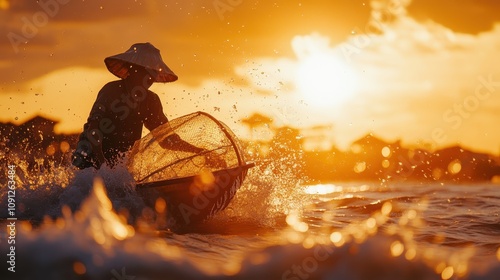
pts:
[369, 158]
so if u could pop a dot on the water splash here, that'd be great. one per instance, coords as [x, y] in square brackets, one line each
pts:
[95, 242]
[391, 224]
[269, 193]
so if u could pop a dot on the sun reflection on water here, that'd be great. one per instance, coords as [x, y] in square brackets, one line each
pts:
[322, 189]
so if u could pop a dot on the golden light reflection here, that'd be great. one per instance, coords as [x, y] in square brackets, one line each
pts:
[323, 189]
[64, 146]
[309, 242]
[386, 208]
[447, 266]
[232, 268]
[335, 236]
[386, 151]
[455, 166]
[498, 254]
[411, 214]
[437, 173]
[4, 4]
[294, 221]
[100, 193]
[204, 181]
[51, 150]
[120, 231]
[26, 226]
[106, 224]
[359, 236]
[439, 267]
[161, 247]
[360, 167]
[259, 258]
[397, 248]
[337, 239]
[461, 269]
[410, 254]
[66, 212]
[364, 188]
[302, 227]
[439, 238]
[60, 223]
[160, 205]
[380, 218]
[408, 235]
[294, 237]
[447, 273]
[371, 223]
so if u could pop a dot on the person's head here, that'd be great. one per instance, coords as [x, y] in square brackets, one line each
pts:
[140, 76]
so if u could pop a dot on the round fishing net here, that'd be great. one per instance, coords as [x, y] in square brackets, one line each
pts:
[184, 147]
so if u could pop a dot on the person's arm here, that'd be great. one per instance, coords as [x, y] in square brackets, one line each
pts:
[94, 135]
[176, 143]
[156, 117]
[89, 152]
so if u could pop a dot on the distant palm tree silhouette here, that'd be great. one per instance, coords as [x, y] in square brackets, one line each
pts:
[256, 120]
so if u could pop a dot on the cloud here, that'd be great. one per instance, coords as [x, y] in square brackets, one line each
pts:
[76, 10]
[193, 32]
[466, 16]
[414, 77]
[417, 71]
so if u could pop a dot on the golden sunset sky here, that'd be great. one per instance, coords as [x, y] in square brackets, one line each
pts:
[426, 72]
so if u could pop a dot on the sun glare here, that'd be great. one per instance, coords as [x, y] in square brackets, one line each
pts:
[4, 4]
[325, 80]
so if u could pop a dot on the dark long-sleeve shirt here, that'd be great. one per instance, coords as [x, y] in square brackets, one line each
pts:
[118, 116]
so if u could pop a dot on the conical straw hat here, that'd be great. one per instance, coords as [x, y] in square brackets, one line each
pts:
[141, 54]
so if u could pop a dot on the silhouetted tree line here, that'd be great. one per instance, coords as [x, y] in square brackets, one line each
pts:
[373, 159]
[370, 158]
[35, 143]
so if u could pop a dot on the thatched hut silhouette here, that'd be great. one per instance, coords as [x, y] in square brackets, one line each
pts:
[35, 142]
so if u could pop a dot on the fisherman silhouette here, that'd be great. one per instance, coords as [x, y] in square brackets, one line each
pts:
[124, 106]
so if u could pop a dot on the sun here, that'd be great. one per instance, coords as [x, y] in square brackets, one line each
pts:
[324, 80]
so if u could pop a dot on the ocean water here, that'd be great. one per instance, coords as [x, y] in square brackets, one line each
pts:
[90, 225]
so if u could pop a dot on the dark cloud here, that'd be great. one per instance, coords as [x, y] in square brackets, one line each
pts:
[81, 10]
[199, 39]
[467, 16]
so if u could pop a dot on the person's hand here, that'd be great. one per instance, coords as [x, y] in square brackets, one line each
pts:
[85, 156]
[175, 142]
[81, 160]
